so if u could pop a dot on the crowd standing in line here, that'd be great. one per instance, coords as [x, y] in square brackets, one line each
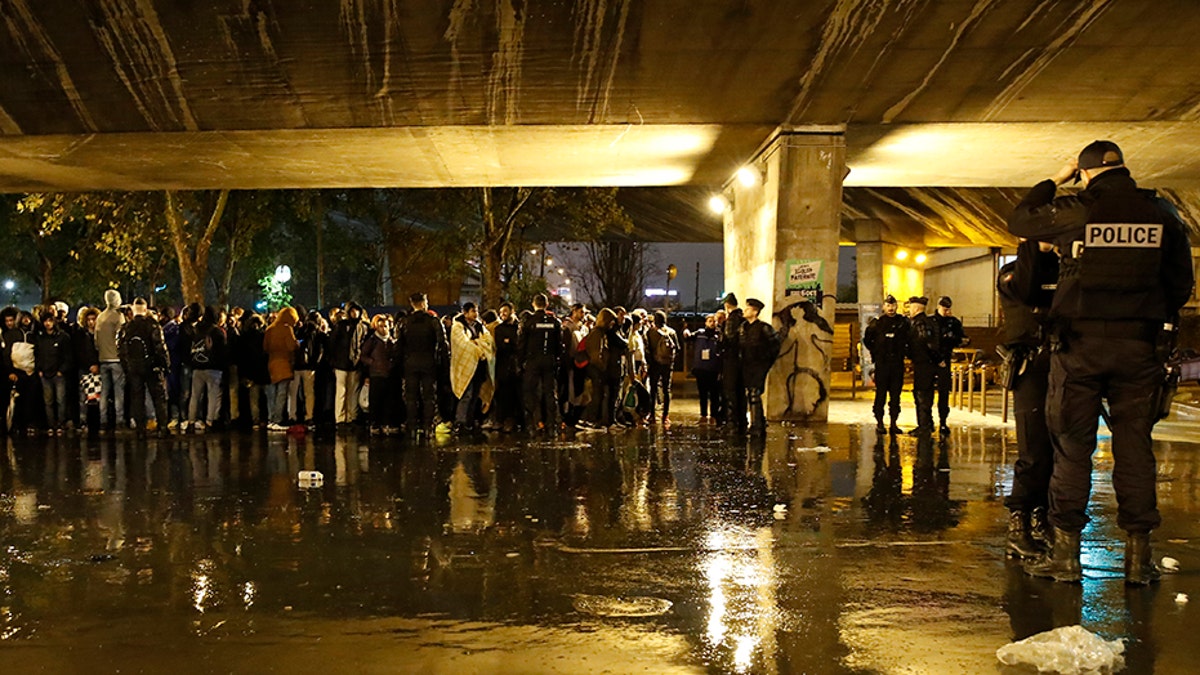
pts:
[148, 370]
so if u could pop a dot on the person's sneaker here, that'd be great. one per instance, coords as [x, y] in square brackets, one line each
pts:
[271, 426]
[152, 425]
[198, 426]
[173, 425]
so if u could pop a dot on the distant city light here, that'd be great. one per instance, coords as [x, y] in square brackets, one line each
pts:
[283, 274]
[560, 271]
[9, 284]
[718, 204]
[660, 292]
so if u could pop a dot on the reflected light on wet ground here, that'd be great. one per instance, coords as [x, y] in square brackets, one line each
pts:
[822, 550]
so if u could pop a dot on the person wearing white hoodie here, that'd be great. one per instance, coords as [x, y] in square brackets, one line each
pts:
[112, 375]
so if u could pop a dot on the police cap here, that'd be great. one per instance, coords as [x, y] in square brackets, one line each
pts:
[1100, 153]
[945, 301]
[755, 303]
[889, 300]
[918, 300]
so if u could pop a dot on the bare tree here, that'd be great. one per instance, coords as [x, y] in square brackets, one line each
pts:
[615, 272]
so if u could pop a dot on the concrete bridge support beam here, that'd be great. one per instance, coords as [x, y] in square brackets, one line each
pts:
[781, 246]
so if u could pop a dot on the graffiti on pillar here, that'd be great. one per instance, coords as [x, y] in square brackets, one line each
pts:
[800, 323]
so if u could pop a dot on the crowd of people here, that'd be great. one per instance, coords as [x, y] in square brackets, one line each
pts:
[147, 369]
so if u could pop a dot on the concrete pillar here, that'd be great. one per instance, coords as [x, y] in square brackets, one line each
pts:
[868, 250]
[792, 216]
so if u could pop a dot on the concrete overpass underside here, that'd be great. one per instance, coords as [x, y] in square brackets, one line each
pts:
[147, 94]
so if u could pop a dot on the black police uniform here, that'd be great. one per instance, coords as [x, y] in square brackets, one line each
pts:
[540, 346]
[951, 336]
[1026, 289]
[732, 380]
[759, 343]
[924, 350]
[1126, 268]
[508, 374]
[422, 342]
[144, 357]
[886, 337]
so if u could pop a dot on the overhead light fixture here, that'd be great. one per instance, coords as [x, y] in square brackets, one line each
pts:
[718, 204]
[902, 254]
[748, 176]
[921, 258]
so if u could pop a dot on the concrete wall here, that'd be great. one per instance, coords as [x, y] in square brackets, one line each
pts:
[750, 227]
[968, 275]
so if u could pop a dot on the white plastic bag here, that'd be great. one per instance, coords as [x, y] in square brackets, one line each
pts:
[1070, 650]
[364, 397]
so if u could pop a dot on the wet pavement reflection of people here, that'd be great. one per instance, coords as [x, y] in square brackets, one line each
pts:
[762, 552]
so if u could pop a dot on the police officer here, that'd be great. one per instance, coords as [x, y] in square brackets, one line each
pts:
[422, 343]
[1125, 272]
[924, 350]
[759, 344]
[886, 337]
[540, 346]
[950, 337]
[732, 381]
[1026, 288]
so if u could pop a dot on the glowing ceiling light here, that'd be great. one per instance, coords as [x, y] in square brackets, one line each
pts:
[902, 254]
[921, 258]
[718, 204]
[748, 176]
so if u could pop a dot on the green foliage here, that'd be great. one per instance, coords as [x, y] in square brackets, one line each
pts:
[275, 293]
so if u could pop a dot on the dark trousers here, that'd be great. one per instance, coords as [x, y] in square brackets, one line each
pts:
[924, 380]
[420, 385]
[1125, 372]
[604, 397]
[1035, 444]
[889, 381]
[735, 393]
[541, 394]
[507, 401]
[138, 382]
[379, 398]
[942, 385]
[709, 385]
[660, 380]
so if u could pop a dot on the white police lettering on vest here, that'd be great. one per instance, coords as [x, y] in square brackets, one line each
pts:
[1124, 235]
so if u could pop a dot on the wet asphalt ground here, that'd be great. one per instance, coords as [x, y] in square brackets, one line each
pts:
[816, 550]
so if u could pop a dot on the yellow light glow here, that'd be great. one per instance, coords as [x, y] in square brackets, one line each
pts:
[902, 254]
[921, 258]
[718, 204]
[748, 176]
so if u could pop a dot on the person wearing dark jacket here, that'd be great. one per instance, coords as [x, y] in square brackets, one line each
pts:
[53, 356]
[759, 344]
[206, 361]
[662, 347]
[731, 367]
[540, 347]
[251, 359]
[313, 345]
[951, 336]
[706, 366]
[508, 370]
[378, 356]
[886, 337]
[1026, 289]
[1125, 272]
[924, 350]
[178, 334]
[422, 344]
[144, 358]
[344, 348]
[605, 347]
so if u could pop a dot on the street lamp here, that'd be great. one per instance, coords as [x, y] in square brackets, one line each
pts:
[283, 274]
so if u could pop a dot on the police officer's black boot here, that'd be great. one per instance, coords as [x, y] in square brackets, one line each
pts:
[1140, 568]
[1039, 528]
[1020, 543]
[1062, 562]
[944, 429]
[879, 428]
[895, 428]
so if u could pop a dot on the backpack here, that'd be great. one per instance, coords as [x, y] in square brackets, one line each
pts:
[136, 352]
[201, 349]
[664, 348]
